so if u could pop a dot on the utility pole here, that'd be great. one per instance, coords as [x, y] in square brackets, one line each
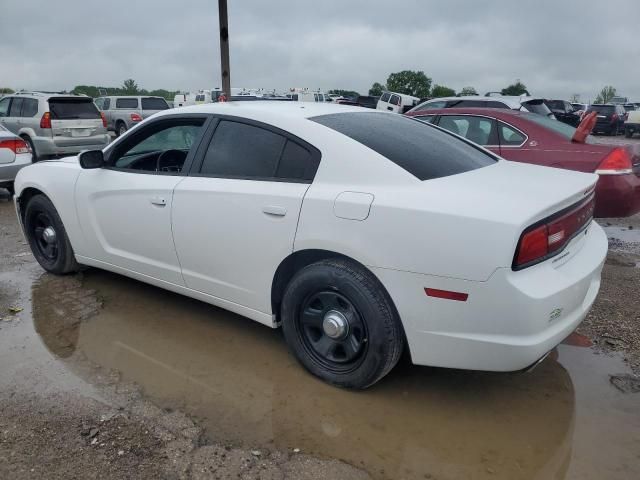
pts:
[224, 49]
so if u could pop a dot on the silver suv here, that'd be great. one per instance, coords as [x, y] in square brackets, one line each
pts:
[124, 112]
[54, 124]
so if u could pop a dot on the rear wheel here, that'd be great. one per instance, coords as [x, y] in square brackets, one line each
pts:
[340, 323]
[628, 132]
[121, 129]
[47, 237]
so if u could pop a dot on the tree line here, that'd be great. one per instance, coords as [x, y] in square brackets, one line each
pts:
[128, 87]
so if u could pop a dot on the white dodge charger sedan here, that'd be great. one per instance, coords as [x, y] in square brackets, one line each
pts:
[361, 233]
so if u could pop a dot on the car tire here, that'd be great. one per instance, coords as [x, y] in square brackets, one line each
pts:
[11, 189]
[121, 129]
[340, 323]
[34, 154]
[47, 237]
[628, 133]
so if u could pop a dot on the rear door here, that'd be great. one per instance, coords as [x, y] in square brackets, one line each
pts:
[478, 129]
[235, 217]
[12, 121]
[75, 121]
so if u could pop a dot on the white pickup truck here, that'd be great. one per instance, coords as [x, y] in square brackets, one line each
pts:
[632, 123]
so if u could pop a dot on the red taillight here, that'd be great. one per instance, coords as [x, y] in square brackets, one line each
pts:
[16, 146]
[104, 119]
[548, 238]
[617, 162]
[614, 117]
[135, 117]
[45, 121]
[446, 294]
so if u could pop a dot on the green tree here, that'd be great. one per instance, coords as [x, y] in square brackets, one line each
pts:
[575, 98]
[6, 90]
[377, 89]
[467, 91]
[89, 90]
[515, 89]
[606, 94]
[442, 91]
[409, 82]
[130, 87]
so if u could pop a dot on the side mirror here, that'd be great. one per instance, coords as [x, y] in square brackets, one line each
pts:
[91, 159]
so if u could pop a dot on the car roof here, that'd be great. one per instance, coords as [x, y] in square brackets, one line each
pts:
[484, 111]
[511, 101]
[267, 109]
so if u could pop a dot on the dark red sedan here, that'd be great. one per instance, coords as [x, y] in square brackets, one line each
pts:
[531, 138]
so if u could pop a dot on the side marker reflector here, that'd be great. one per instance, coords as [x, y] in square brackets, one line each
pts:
[446, 294]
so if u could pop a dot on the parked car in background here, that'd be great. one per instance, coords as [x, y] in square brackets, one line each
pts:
[14, 155]
[632, 123]
[564, 112]
[54, 124]
[580, 108]
[368, 101]
[396, 102]
[530, 138]
[629, 107]
[123, 112]
[610, 120]
[307, 96]
[292, 177]
[525, 103]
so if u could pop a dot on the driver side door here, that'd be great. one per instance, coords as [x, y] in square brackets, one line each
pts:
[124, 208]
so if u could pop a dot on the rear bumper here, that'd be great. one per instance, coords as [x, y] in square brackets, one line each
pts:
[617, 196]
[69, 146]
[8, 171]
[508, 322]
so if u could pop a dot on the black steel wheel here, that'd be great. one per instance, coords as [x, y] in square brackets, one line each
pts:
[47, 236]
[340, 323]
[332, 330]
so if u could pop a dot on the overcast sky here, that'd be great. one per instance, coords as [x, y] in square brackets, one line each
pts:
[556, 48]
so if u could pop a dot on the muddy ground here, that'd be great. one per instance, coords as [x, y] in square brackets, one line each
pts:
[105, 377]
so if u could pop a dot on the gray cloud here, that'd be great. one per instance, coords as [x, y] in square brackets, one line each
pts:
[556, 47]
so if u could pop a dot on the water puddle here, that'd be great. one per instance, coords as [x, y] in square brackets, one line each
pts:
[563, 420]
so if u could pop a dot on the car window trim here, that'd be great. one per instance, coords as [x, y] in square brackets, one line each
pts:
[495, 119]
[196, 166]
[188, 162]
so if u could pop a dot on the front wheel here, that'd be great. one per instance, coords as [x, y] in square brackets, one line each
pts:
[122, 129]
[340, 323]
[628, 132]
[47, 237]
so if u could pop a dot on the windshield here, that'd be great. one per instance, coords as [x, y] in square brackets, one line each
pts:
[421, 149]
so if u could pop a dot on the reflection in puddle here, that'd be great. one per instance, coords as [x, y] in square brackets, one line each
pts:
[239, 379]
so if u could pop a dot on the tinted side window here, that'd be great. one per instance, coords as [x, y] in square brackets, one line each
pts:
[159, 103]
[16, 106]
[395, 100]
[426, 118]
[385, 97]
[242, 151]
[494, 104]
[510, 136]
[126, 103]
[297, 163]
[479, 130]
[107, 104]
[99, 102]
[421, 149]
[29, 107]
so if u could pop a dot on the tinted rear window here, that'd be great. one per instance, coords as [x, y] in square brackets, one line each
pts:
[73, 108]
[537, 106]
[156, 103]
[604, 109]
[422, 150]
[126, 103]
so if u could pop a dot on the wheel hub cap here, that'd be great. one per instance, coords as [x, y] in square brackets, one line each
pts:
[335, 324]
[49, 235]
